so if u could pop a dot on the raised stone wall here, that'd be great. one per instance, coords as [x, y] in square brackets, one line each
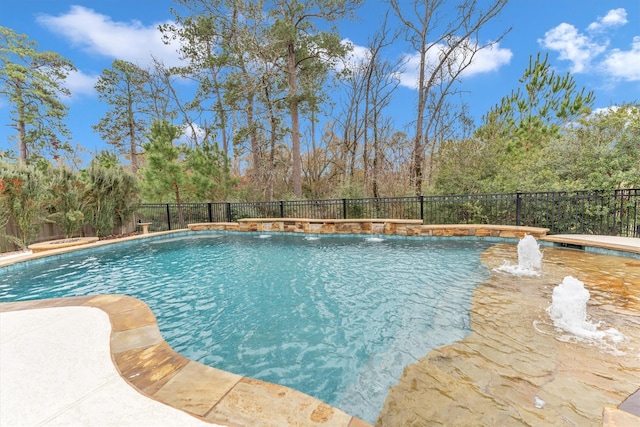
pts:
[409, 227]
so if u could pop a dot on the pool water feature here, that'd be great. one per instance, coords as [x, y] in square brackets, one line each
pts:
[568, 310]
[337, 318]
[529, 258]
[508, 371]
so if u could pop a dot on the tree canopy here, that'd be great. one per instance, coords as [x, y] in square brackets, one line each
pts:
[270, 102]
[32, 82]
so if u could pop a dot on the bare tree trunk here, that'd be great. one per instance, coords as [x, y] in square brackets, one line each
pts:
[455, 43]
[295, 122]
[132, 140]
[176, 190]
[22, 130]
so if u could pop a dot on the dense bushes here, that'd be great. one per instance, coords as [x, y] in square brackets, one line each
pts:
[30, 195]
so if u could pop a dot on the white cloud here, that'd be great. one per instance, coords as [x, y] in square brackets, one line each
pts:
[485, 60]
[623, 65]
[191, 133]
[613, 18]
[355, 58]
[80, 84]
[100, 35]
[488, 60]
[572, 46]
[604, 110]
[590, 51]
[408, 77]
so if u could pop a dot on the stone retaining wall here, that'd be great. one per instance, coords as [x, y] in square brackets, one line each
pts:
[406, 227]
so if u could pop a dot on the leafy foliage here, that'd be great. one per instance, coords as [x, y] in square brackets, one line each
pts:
[66, 201]
[25, 194]
[519, 145]
[164, 174]
[111, 197]
[536, 112]
[208, 178]
[601, 151]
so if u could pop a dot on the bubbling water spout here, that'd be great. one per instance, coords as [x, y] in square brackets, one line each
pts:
[529, 258]
[568, 311]
[529, 255]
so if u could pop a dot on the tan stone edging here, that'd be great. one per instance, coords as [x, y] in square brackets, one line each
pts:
[404, 227]
[564, 239]
[334, 221]
[94, 244]
[153, 368]
[61, 243]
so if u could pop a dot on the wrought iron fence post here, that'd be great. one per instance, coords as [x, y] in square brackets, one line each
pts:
[228, 212]
[168, 217]
[422, 208]
[281, 209]
[344, 208]
[518, 208]
[209, 212]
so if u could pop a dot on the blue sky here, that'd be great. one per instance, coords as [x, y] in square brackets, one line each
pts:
[597, 41]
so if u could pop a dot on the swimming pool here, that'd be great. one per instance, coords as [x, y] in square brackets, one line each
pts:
[336, 317]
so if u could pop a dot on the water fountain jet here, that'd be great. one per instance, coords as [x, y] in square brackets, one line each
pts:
[568, 311]
[529, 258]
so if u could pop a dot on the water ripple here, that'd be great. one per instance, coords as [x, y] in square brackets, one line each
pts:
[337, 318]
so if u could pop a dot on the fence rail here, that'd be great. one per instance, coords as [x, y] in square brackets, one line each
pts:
[577, 212]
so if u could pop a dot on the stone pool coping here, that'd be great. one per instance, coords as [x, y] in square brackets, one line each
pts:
[61, 243]
[154, 369]
[155, 357]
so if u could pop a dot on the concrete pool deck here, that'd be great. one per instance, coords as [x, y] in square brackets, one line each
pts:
[100, 360]
[57, 370]
[86, 360]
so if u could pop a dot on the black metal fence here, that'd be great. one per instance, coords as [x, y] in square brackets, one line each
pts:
[576, 212]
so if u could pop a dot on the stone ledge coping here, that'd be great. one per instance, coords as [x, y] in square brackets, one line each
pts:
[525, 229]
[97, 243]
[622, 245]
[61, 243]
[153, 368]
[402, 227]
[334, 221]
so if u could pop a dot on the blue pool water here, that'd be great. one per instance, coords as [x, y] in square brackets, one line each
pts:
[336, 317]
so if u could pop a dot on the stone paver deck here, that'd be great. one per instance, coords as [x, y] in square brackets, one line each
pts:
[515, 368]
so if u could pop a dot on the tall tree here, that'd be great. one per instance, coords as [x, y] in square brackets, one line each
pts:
[164, 175]
[537, 110]
[295, 32]
[201, 36]
[32, 81]
[208, 35]
[518, 142]
[124, 87]
[446, 37]
[206, 166]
